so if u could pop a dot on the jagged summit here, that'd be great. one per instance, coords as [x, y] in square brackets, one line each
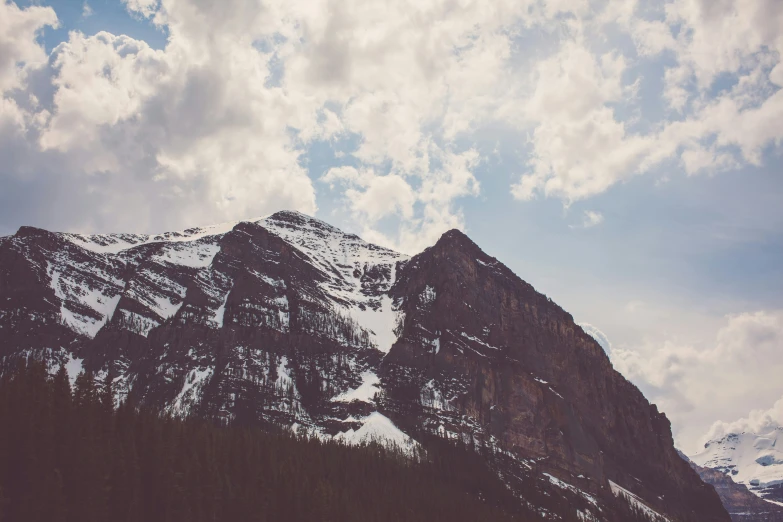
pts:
[456, 240]
[285, 222]
[288, 320]
[299, 218]
[455, 236]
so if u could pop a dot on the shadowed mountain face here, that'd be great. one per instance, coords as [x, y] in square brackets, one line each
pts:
[291, 321]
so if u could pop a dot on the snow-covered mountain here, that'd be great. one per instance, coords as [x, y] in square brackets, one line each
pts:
[288, 320]
[752, 459]
[742, 505]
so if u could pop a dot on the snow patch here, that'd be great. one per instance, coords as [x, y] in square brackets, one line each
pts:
[193, 383]
[637, 502]
[573, 489]
[284, 378]
[379, 323]
[478, 341]
[195, 255]
[428, 296]
[377, 428]
[364, 392]
[65, 289]
[116, 243]
[73, 368]
[164, 307]
[432, 397]
[220, 313]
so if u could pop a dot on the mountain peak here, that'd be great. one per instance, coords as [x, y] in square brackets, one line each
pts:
[296, 218]
[456, 238]
[291, 215]
[27, 231]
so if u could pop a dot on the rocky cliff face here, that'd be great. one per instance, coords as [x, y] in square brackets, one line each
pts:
[289, 320]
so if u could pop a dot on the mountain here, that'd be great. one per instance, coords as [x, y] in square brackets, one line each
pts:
[754, 460]
[288, 320]
[742, 505]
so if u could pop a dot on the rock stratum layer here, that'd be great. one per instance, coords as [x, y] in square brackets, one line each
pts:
[290, 321]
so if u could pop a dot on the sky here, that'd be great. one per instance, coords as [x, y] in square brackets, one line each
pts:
[622, 156]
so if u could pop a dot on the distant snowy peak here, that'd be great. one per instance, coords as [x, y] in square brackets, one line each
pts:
[753, 459]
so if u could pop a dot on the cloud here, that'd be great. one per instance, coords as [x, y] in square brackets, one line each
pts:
[372, 197]
[86, 10]
[590, 218]
[219, 123]
[19, 49]
[581, 147]
[194, 135]
[758, 421]
[145, 8]
[718, 37]
[600, 337]
[697, 383]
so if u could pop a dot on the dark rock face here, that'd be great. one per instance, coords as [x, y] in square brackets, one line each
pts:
[518, 365]
[742, 505]
[289, 320]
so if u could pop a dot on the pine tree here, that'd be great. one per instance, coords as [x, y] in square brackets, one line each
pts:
[85, 391]
[54, 508]
[107, 392]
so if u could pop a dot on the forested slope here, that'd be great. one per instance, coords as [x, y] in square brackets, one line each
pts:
[67, 454]
[70, 456]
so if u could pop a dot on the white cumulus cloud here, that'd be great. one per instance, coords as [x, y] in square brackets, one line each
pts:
[219, 123]
[698, 383]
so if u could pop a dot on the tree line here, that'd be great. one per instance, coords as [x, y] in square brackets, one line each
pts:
[67, 454]
[70, 453]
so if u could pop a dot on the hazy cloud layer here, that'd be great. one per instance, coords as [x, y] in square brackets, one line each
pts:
[758, 421]
[699, 383]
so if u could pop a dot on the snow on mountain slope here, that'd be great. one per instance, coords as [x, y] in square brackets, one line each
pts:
[150, 276]
[365, 392]
[116, 243]
[378, 428]
[753, 459]
[637, 502]
[83, 308]
[359, 274]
